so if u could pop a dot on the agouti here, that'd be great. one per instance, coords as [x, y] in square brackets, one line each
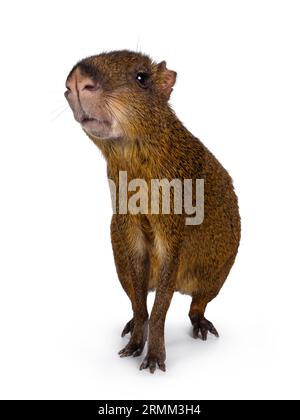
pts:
[120, 99]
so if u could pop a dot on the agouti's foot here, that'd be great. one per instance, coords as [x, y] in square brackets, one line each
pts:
[128, 328]
[132, 349]
[151, 361]
[201, 326]
[137, 340]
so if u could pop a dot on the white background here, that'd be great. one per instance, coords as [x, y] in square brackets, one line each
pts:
[61, 306]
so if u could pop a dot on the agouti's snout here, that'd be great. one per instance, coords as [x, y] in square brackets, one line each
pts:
[85, 97]
[80, 94]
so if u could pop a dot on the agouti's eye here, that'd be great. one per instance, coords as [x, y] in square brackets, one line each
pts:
[143, 78]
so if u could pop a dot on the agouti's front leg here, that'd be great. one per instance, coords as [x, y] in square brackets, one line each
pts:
[138, 266]
[172, 236]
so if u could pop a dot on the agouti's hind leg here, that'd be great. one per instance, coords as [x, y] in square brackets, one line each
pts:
[201, 326]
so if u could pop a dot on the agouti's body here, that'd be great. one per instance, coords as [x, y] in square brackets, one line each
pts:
[121, 100]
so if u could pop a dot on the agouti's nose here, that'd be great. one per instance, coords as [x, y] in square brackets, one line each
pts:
[81, 84]
[87, 84]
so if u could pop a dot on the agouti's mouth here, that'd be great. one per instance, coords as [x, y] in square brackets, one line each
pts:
[85, 120]
[92, 121]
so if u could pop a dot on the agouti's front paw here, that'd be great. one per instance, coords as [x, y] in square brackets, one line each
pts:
[152, 360]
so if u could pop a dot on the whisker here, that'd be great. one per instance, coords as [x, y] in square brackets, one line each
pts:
[113, 113]
[59, 108]
[117, 100]
[138, 45]
[118, 105]
[59, 114]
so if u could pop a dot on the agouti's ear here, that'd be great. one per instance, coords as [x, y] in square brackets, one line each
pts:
[166, 79]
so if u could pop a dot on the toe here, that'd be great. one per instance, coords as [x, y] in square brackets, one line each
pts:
[162, 366]
[203, 333]
[152, 366]
[195, 331]
[138, 352]
[152, 363]
[202, 327]
[145, 364]
[213, 331]
[131, 350]
[125, 352]
[127, 329]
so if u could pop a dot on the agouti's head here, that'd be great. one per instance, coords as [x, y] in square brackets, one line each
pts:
[114, 94]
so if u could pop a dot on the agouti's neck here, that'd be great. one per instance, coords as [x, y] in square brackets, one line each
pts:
[152, 147]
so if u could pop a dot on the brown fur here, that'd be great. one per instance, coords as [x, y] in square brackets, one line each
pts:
[159, 251]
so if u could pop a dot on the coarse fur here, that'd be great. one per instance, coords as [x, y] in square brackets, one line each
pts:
[137, 131]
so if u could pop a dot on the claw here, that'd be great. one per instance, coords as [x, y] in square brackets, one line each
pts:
[152, 367]
[128, 328]
[144, 365]
[203, 333]
[152, 363]
[203, 326]
[138, 352]
[131, 351]
[162, 366]
[125, 352]
[195, 332]
[213, 331]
